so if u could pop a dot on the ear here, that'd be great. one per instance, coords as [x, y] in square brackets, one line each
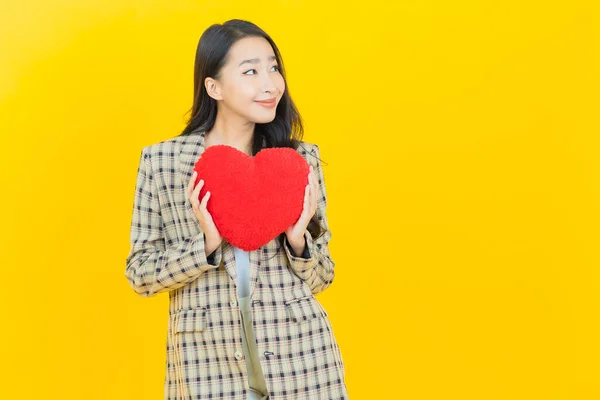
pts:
[213, 88]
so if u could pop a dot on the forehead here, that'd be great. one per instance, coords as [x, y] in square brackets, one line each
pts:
[249, 48]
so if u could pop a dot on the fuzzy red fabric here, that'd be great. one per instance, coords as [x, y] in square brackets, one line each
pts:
[252, 199]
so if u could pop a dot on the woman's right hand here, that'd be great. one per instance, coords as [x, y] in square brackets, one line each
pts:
[212, 236]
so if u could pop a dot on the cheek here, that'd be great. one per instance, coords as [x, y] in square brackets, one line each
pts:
[238, 94]
[280, 84]
[244, 91]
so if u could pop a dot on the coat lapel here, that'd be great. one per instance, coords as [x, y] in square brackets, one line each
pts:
[191, 149]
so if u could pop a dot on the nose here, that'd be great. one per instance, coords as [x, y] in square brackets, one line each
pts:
[267, 85]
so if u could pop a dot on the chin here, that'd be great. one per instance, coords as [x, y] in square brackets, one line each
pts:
[262, 119]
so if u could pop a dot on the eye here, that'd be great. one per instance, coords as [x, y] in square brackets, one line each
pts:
[274, 66]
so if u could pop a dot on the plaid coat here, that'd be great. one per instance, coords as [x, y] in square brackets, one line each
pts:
[299, 355]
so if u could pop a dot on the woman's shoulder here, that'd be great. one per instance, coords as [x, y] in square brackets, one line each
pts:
[169, 147]
[305, 148]
[310, 152]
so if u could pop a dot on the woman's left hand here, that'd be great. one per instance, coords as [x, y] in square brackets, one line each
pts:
[295, 232]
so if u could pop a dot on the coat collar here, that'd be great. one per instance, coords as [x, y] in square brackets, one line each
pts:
[191, 149]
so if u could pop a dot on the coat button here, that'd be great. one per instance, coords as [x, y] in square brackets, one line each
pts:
[233, 303]
[239, 355]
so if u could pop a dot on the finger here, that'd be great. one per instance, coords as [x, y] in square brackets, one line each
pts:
[311, 180]
[205, 200]
[196, 193]
[306, 204]
[314, 194]
[313, 201]
[190, 185]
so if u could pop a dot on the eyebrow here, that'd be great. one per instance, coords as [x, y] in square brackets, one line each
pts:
[254, 61]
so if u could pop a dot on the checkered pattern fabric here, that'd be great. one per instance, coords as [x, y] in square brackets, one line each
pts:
[298, 351]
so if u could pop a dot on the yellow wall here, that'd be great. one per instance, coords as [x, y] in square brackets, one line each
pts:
[463, 183]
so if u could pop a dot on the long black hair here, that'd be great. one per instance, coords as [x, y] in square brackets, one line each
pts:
[286, 129]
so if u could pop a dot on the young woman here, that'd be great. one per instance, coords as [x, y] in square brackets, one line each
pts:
[242, 324]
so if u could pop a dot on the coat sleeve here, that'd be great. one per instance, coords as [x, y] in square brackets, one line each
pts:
[315, 266]
[151, 266]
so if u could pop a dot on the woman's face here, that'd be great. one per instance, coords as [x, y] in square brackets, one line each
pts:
[250, 75]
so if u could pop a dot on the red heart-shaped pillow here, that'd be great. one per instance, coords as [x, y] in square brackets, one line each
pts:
[252, 199]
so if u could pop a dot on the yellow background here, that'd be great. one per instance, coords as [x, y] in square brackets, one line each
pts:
[463, 183]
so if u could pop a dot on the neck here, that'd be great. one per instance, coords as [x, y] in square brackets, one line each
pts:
[232, 131]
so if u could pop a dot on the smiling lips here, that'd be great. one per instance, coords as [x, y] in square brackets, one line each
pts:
[270, 103]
